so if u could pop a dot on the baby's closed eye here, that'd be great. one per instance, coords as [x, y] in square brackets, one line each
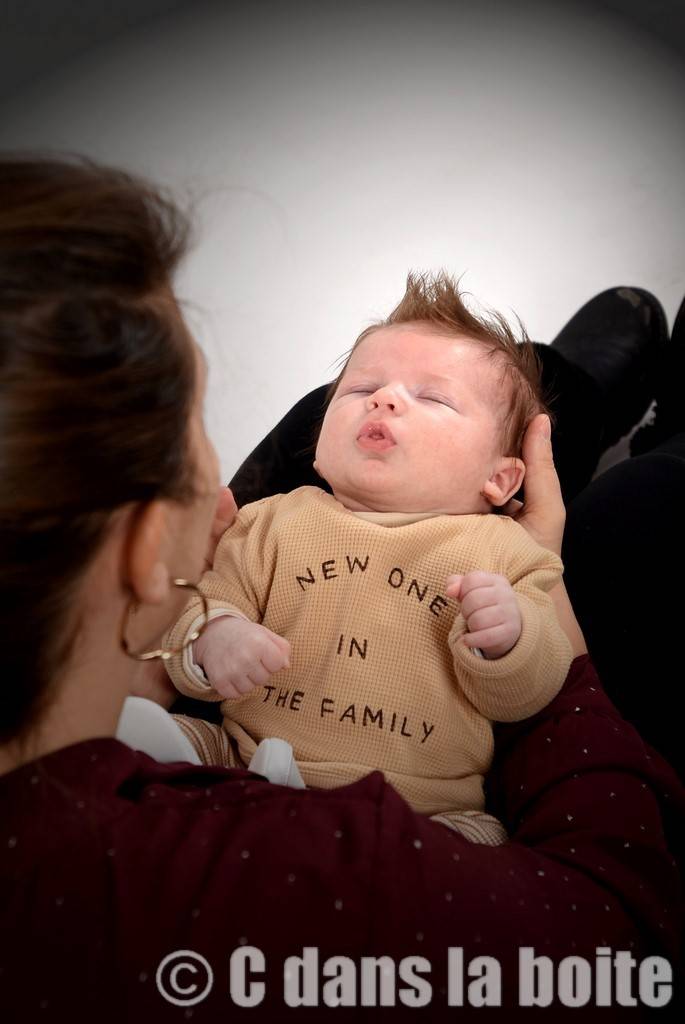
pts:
[440, 400]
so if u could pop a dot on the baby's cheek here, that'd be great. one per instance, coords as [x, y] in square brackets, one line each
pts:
[448, 458]
[328, 443]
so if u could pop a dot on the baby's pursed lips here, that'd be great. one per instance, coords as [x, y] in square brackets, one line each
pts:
[376, 429]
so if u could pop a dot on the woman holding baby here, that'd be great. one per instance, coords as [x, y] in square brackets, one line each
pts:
[112, 864]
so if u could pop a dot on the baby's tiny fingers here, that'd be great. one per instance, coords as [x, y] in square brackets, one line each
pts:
[485, 638]
[243, 684]
[485, 618]
[476, 579]
[273, 657]
[258, 674]
[482, 597]
[228, 689]
[284, 646]
[279, 640]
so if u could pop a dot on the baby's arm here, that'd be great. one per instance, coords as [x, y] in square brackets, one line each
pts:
[517, 677]
[235, 652]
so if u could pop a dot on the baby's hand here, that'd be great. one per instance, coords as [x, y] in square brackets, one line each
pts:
[237, 655]
[491, 610]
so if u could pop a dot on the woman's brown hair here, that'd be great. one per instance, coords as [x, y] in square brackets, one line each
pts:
[97, 381]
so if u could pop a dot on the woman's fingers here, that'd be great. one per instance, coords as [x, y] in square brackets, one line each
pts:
[542, 514]
[542, 483]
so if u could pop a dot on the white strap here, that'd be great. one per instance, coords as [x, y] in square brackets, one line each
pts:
[146, 726]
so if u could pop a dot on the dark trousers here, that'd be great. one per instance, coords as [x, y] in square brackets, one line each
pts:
[624, 565]
[624, 559]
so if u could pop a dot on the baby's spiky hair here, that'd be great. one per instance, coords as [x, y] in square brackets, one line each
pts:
[435, 299]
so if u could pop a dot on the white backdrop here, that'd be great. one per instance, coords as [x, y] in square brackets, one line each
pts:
[537, 148]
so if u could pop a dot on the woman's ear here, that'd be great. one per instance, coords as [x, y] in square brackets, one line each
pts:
[145, 569]
[504, 481]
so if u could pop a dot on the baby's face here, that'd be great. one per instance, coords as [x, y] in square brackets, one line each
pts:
[413, 426]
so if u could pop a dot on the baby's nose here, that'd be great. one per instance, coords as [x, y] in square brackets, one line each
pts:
[387, 396]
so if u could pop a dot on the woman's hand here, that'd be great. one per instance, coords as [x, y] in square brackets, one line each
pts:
[542, 514]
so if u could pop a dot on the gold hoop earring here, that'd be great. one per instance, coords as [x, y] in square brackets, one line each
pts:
[162, 652]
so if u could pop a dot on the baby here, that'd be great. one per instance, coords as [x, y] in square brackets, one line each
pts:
[386, 625]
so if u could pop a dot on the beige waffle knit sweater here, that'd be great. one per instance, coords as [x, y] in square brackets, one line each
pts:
[377, 676]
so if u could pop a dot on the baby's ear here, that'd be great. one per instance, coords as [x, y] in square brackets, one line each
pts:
[505, 480]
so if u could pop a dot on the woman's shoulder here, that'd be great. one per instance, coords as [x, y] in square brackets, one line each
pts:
[105, 777]
[100, 799]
